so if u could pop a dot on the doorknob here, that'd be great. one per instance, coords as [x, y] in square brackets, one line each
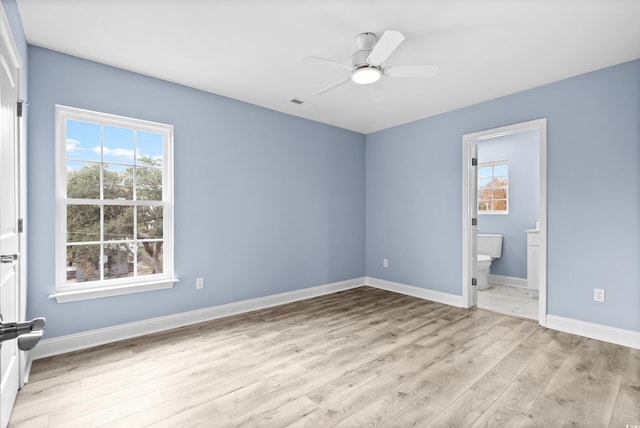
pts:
[8, 258]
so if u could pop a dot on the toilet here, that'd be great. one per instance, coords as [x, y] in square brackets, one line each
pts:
[489, 248]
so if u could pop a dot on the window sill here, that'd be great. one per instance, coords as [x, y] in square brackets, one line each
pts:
[493, 213]
[118, 290]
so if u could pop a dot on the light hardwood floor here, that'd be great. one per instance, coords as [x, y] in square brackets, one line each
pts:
[363, 357]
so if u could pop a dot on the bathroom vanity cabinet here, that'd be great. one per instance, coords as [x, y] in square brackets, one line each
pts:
[533, 281]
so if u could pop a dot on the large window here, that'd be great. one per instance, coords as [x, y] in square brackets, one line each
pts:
[115, 205]
[493, 188]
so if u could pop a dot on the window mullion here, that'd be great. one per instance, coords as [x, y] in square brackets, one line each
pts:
[134, 196]
[101, 260]
[135, 238]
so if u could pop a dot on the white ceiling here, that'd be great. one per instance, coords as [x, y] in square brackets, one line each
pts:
[254, 50]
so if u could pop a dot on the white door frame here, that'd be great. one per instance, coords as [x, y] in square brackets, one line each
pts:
[469, 195]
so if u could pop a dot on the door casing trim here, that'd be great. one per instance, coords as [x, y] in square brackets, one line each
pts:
[468, 199]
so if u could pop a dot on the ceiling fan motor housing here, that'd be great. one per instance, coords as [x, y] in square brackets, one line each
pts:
[365, 43]
[359, 59]
[366, 40]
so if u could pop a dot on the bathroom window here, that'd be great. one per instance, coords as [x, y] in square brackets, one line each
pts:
[493, 188]
[114, 194]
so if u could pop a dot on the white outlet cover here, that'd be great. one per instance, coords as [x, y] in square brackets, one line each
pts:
[598, 294]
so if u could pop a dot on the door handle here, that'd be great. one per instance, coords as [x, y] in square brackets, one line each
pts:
[28, 333]
[8, 258]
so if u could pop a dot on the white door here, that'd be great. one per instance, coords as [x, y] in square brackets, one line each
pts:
[9, 236]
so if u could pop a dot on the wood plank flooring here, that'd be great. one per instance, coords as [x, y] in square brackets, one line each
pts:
[362, 357]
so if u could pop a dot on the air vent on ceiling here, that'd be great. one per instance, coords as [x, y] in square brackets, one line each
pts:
[302, 103]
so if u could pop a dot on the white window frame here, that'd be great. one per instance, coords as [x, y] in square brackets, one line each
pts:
[493, 164]
[114, 286]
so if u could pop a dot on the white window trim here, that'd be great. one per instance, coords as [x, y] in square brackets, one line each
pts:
[494, 163]
[120, 286]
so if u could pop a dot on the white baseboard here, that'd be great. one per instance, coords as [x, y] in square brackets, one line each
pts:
[605, 333]
[513, 281]
[91, 338]
[88, 339]
[411, 290]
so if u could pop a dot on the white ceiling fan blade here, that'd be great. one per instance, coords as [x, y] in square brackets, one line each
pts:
[332, 86]
[411, 71]
[328, 62]
[388, 43]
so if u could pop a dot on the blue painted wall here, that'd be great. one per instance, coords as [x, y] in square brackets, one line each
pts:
[271, 203]
[414, 202]
[521, 151]
[265, 202]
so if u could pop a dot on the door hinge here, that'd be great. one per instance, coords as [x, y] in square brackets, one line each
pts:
[474, 281]
[20, 225]
[19, 109]
[474, 222]
[474, 161]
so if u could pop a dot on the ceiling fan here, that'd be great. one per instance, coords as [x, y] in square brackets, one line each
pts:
[366, 64]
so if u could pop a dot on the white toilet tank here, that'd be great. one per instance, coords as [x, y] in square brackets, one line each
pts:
[490, 244]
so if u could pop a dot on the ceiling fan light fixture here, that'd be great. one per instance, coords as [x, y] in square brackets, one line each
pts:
[366, 75]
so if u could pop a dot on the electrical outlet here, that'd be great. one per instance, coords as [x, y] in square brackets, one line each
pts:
[598, 294]
[199, 283]
[385, 263]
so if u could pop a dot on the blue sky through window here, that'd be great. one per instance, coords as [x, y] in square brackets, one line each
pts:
[121, 145]
[118, 145]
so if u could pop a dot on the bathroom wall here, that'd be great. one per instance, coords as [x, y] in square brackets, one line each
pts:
[521, 151]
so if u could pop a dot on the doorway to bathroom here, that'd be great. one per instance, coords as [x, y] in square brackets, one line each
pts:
[505, 215]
